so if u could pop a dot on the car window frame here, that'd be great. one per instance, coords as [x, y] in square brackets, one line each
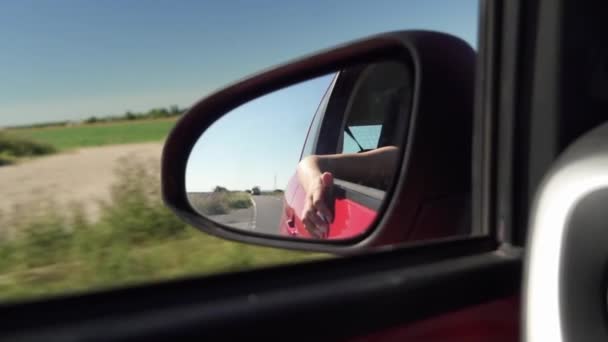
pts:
[312, 136]
[325, 139]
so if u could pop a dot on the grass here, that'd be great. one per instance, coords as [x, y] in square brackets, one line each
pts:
[7, 159]
[14, 147]
[88, 135]
[137, 240]
[277, 192]
[219, 203]
[238, 200]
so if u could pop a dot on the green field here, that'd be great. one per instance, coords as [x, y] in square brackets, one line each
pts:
[86, 135]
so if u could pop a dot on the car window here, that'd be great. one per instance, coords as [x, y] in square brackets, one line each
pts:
[91, 90]
[358, 138]
[380, 101]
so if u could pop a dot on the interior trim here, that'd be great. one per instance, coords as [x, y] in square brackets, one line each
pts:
[579, 172]
[361, 189]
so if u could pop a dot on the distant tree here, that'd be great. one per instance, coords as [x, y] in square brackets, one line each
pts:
[220, 189]
[154, 113]
[174, 110]
[256, 190]
[158, 113]
[91, 120]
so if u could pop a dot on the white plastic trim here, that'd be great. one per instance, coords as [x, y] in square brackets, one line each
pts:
[559, 195]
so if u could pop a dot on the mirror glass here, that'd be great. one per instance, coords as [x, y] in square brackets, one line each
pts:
[309, 161]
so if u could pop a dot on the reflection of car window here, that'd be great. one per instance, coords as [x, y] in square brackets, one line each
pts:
[377, 111]
[366, 137]
[379, 102]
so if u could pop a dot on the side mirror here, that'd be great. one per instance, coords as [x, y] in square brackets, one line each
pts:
[364, 145]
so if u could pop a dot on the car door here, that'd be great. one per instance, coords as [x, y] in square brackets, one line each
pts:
[454, 289]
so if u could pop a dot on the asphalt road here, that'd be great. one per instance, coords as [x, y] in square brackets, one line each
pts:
[239, 218]
[267, 214]
[262, 217]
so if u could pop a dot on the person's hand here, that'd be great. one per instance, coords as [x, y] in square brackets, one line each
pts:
[316, 215]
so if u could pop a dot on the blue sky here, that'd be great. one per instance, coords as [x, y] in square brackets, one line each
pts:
[256, 141]
[64, 60]
[71, 59]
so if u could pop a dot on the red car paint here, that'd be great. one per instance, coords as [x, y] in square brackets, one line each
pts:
[351, 219]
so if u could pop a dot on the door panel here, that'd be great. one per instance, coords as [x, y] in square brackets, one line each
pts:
[496, 321]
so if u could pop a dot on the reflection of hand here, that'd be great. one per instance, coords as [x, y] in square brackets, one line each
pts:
[316, 215]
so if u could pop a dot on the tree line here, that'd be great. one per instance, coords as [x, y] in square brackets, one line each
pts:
[154, 113]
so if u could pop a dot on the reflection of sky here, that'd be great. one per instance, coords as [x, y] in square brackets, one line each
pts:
[257, 141]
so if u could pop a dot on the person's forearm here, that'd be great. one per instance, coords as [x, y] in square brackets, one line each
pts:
[309, 171]
[367, 166]
[373, 165]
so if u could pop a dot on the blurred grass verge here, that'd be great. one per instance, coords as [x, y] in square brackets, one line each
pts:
[13, 147]
[219, 203]
[48, 250]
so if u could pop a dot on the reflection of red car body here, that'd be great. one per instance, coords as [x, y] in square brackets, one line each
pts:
[367, 108]
[354, 209]
[350, 218]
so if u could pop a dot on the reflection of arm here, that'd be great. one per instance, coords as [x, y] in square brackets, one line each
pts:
[375, 166]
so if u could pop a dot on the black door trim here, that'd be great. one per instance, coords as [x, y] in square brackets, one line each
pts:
[366, 196]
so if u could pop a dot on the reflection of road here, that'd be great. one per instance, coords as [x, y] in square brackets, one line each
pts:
[237, 218]
[267, 213]
[262, 217]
